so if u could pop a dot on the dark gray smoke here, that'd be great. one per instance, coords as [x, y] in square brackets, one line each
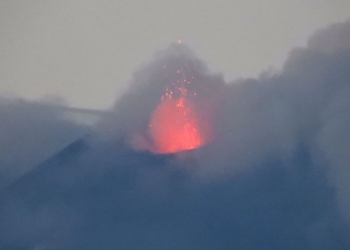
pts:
[275, 177]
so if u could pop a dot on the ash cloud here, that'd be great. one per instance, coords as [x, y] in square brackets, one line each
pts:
[275, 177]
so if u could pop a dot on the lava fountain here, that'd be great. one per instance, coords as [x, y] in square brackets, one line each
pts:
[175, 125]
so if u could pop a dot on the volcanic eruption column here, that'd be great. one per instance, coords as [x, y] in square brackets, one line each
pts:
[175, 125]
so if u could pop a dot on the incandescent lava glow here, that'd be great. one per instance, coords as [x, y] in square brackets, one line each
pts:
[175, 125]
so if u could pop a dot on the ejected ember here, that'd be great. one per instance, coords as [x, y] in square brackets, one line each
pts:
[175, 125]
[172, 105]
[184, 106]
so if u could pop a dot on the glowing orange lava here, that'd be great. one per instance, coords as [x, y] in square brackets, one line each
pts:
[174, 125]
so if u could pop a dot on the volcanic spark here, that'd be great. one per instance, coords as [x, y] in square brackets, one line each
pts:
[175, 125]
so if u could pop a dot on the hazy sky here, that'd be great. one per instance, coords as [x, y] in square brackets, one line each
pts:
[85, 50]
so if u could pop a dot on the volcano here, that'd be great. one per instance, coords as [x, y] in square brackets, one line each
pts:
[151, 176]
[104, 195]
